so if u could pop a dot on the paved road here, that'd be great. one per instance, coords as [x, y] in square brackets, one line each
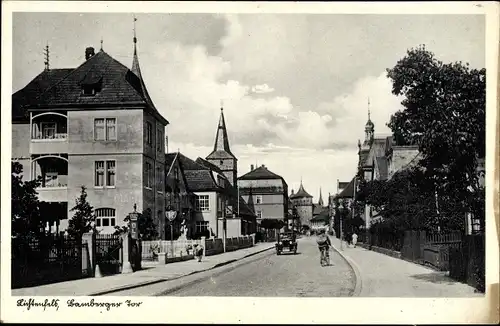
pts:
[286, 275]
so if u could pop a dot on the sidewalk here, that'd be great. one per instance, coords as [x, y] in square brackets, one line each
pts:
[385, 276]
[151, 273]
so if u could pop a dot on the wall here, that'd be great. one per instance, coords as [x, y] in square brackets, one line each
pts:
[401, 156]
[261, 183]
[211, 215]
[305, 213]
[233, 227]
[128, 188]
[229, 166]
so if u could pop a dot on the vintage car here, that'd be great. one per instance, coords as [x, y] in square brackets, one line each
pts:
[286, 241]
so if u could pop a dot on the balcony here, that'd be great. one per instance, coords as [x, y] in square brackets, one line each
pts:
[53, 173]
[49, 133]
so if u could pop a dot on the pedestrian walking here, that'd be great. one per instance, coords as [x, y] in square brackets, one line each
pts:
[198, 252]
[354, 239]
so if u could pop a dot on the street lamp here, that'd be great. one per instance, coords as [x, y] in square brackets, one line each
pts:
[171, 214]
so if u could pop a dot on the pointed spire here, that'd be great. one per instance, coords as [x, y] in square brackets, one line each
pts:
[221, 139]
[101, 44]
[136, 69]
[320, 201]
[368, 108]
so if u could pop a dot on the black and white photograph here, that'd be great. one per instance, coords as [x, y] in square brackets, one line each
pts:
[250, 154]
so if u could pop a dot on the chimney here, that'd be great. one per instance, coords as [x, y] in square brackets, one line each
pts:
[251, 167]
[89, 52]
[263, 166]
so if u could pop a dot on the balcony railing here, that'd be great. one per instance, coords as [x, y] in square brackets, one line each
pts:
[57, 136]
[54, 185]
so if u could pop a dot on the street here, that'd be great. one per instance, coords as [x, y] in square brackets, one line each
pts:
[264, 275]
[286, 275]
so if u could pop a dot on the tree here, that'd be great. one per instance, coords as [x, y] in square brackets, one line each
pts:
[271, 223]
[444, 114]
[83, 216]
[26, 219]
[147, 227]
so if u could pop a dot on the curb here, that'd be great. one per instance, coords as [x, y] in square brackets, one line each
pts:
[146, 283]
[359, 284]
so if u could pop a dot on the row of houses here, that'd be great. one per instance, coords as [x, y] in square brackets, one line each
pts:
[96, 126]
[379, 158]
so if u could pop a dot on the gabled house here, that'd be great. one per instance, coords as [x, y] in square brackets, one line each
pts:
[95, 126]
[179, 198]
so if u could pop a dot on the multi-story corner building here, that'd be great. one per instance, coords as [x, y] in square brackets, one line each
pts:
[93, 126]
[266, 191]
[302, 201]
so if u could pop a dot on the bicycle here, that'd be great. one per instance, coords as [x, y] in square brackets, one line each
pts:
[325, 256]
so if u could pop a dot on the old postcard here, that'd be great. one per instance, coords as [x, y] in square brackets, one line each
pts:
[249, 162]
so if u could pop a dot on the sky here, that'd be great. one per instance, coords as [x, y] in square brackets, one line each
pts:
[294, 87]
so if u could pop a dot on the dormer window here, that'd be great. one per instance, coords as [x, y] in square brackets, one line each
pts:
[91, 85]
[88, 90]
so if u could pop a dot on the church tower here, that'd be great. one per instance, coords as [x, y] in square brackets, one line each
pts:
[320, 201]
[221, 156]
[364, 148]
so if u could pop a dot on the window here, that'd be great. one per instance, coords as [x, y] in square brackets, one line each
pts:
[105, 217]
[110, 173]
[201, 226]
[258, 199]
[149, 134]
[259, 214]
[159, 179]
[159, 139]
[105, 129]
[48, 130]
[105, 173]
[88, 90]
[149, 175]
[202, 203]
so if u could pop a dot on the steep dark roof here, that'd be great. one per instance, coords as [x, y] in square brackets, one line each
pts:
[119, 86]
[30, 92]
[301, 193]
[201, 180]
[342, 185]
[170, 159]
[189, 164]
[322, 216]
[317, 209]
[208, 165]
[382, 167]
[348, 191]
[260, 173]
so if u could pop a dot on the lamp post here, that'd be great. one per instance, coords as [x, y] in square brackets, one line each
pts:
[171, 215]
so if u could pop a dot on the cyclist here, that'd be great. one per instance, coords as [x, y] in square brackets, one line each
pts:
[324, 245]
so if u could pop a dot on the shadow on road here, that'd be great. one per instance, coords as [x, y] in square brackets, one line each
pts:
[289, 254]
[435, 277]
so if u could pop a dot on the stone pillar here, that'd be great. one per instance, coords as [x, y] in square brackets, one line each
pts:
[203, 245]
[126, 266]
[162, 258]
[89, 238]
